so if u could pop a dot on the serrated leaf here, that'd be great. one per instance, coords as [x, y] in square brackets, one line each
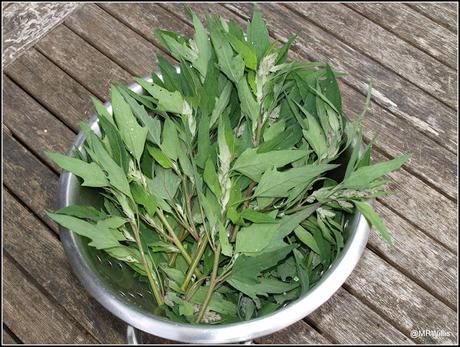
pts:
[253, 164]
[373, 219]
[91, 173]
[131, 132]
[363, 176]
[274, 183]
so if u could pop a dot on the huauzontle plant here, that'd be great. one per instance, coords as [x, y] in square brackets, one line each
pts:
[219, 182]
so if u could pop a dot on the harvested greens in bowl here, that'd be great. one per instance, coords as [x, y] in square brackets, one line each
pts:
[225, 184]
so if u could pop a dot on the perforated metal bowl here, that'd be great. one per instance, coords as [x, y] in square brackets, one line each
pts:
[113, 284]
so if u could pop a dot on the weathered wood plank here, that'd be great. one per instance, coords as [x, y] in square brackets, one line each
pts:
[445, 14]
[298, 333]
[95, 25]
[413, 27]
[29, 179]
[402, 301]
[396, 94]
[393, 144]
[347, 320]
[438, 270]
[437, 221]
[39, 252]
[33, 316]
[33, 124]
[25, 22]
[423, 206]
[59, 46]
[52, 87]
[356, 30]
[144, 18]
[34, 204]
[7, 337]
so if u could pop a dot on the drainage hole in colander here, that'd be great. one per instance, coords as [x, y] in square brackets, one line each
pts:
[99, 258]
[140, 294]
[120, 266]
[132, 295]
[122, 293]
[110, 263]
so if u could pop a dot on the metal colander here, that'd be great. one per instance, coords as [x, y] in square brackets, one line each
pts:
[118, 289]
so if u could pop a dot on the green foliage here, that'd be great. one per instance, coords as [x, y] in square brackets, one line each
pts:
[225, 185]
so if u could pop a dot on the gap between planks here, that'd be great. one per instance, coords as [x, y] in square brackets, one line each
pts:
[419, 124]
[401, 37]
[361, 51]
[452, 198]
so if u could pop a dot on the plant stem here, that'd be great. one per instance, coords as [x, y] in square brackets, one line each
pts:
[176, 241]
[194, 264]
[155, 289]
[212, 285]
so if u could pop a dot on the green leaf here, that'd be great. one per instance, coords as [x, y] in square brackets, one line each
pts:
[373, 219]
[232, 66]
[221, 103]
[244, 49]
[131, 132]
[80, 211]
[160, 157]
[253, 164]
[203, 46]
[167, 101]
[249, 105]
[170, 144]
[302, 271]
[165, 183]
[277, 184]
[258, 34]
[362, 177]
[115, 173]
[204, 143]
[283, 51]
[258, 217]
[101, 237]
[307, 238]
[144, 198]
[226, 247]
[91, 173]
[211, 179]
[254, 238]
[153, 124]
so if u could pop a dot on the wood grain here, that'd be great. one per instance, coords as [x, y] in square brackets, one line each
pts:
[94, 25]
[33, 124]
[52, 87]
[145, 17]
[40, 253]
[408, 62]
[33, 316]
[7, 335]
[60, 46]
[24, 23]
[414, 28]
[396, 135]
[347, 320]
[400, 97]
[445, 14]
[400, 300]
[439, 218]
[297, 333]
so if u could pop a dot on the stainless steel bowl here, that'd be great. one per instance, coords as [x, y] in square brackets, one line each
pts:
[114, 286]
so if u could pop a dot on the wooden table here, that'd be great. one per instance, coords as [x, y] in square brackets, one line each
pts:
[409, 51]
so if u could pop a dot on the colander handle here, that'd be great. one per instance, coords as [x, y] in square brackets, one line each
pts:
[131, 337]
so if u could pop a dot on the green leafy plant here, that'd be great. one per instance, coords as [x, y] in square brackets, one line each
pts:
[224, 185]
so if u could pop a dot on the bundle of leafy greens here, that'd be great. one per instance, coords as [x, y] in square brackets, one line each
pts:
[225, 185]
